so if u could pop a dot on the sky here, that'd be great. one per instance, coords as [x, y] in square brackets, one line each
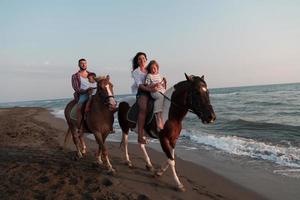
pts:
[231, 42]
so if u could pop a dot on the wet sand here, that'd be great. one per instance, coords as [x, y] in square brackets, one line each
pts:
[35, 165]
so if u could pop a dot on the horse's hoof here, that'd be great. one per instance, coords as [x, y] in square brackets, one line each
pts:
[150, 168]
[83, 151]
[78, 156]
[111, 172]
[181, 188]
[129, 164]
[158, 174]
[99, 162]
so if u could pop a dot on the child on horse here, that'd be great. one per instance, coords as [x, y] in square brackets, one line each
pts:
[93, 84]
[153, 78]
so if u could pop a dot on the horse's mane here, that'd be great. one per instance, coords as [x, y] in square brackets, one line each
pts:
[181, 84]
[99, 78]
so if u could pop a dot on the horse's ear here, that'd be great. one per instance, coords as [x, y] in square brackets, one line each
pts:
[97, 79]
[189, 78]
[202, 77]
[108, 77]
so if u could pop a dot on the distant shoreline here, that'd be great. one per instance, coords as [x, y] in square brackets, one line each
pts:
[63, 98]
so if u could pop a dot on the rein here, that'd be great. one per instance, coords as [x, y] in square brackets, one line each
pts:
[104, 97]
[175, 104]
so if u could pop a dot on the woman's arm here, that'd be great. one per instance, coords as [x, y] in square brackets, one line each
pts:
[148, 88]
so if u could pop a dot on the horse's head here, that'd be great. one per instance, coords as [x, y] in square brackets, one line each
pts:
[105, 91]
[198, 99]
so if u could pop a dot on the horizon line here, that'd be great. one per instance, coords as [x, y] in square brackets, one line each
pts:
[62, 98]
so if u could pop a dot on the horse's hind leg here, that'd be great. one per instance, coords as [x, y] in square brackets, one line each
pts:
[146, 157]
[125, 143]
[76, 141]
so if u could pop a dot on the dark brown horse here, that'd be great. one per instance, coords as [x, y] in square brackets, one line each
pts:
[99, 120]
[189, 95]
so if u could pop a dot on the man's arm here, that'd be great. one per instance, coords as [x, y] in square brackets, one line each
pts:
[76, 85]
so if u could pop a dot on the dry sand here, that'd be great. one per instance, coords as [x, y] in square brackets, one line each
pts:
[34, 165]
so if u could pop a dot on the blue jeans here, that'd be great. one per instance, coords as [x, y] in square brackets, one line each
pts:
[83, 98]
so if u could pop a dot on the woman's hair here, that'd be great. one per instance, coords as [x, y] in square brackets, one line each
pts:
[151, 63]
[135, 60]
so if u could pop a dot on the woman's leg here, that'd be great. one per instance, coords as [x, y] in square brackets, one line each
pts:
[142, 103]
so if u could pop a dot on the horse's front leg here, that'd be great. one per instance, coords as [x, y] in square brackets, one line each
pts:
[168, 147]
[149, 165]
[165, 144]
[111, 170]
[99, 157]
[102, 150]
[162, 169]
[171, 162]
[82, 142]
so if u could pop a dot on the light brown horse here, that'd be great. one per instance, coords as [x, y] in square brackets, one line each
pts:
[189, 95]
[99, 120]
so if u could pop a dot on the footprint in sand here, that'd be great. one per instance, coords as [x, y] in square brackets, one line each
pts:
[43, 179]
[107, 182]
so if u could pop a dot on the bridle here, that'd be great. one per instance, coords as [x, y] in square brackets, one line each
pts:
[175, 104]
[105, 98]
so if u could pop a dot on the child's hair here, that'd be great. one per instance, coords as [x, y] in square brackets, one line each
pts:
[91, 74]
[149, 66]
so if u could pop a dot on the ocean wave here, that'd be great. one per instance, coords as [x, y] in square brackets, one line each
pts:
[224, 94]
[285, 156]
[267, 103]
[286, 113]
[59, 113]
[239, 124]
[295, 173]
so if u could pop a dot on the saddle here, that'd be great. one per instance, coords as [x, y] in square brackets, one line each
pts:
[73, 115]
[133, 111]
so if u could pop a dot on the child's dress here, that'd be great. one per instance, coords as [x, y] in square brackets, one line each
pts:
[157, 96]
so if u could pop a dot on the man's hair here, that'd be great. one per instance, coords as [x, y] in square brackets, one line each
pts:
[82, 59]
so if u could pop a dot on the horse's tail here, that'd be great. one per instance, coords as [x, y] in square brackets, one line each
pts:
[122, 118]
[67, 137]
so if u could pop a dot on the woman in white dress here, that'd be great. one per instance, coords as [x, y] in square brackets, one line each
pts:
[142, 91]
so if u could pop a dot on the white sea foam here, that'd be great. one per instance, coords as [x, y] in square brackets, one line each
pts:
[295, 173]
[284, 156]
[59, 113]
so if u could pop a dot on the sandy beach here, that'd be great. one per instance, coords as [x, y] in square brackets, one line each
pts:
[35, 165]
